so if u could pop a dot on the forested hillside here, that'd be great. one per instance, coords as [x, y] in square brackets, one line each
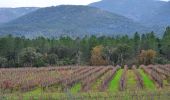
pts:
[138, 49]
[70, 20]
[151, 13]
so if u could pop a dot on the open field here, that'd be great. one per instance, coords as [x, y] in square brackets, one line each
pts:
[86, 82]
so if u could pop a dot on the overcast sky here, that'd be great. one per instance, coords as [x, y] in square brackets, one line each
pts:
[43, 3]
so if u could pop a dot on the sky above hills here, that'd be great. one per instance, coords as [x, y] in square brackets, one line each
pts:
[44, 3]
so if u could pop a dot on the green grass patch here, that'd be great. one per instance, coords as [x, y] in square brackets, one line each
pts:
[25, 95]
[143, 95]
[95, 87]
[34, 93]
[114, 84]
[131, 80]
[148, 83]
[166, 84]
[76, 88]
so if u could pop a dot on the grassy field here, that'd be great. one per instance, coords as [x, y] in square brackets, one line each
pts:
[114, 84]
[140, 95]
[131, 81]
[76, 88]
[148, 83]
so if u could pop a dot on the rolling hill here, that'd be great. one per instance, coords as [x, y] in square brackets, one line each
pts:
[151, 13]
[138, 10]
[71, 20]
[9, 14]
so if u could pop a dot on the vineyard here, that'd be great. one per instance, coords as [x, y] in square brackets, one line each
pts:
[86, 82]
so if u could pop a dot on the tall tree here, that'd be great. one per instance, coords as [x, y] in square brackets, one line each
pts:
[147, 56]
[97, 57]
[136, 43]
[166, 43]
[29, 58]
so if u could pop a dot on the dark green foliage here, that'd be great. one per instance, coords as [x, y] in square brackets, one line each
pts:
[161, 60]
[3, 62]
[118, 54]
[52, 59]
[29, 57]
[137, 40]
[166, 44]
[23, 52]
[149, 41]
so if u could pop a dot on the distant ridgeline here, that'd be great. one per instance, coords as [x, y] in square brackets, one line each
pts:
[135, 50]
[106, 17]
[154, 14]
[74, 21]
[9, 14]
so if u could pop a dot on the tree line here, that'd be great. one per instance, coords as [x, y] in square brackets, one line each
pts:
[89, 50]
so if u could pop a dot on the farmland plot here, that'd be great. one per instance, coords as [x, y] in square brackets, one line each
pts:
[71, 81]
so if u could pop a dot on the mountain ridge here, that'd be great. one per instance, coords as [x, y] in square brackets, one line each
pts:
[9, 14]
[146, 12]
[71, 20]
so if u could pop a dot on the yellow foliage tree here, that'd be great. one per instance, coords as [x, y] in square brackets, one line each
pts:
[97, 56]
[147, 56]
